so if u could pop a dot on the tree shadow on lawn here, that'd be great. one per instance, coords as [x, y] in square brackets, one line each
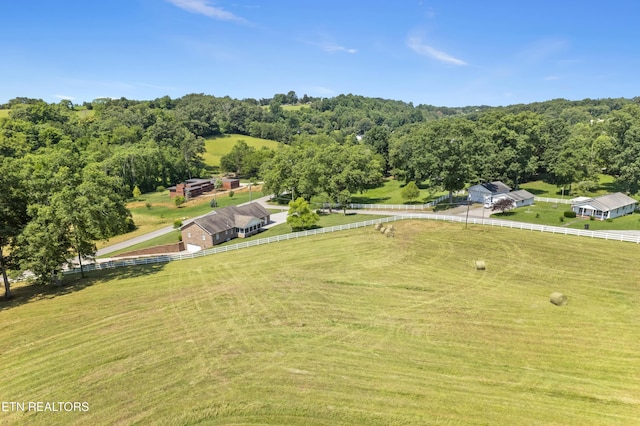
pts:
[536, 191]
[503, 214]
[611, 187]
[26, 292]
[368, 200]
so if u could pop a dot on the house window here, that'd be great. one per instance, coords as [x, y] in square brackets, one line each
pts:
[188, 234]
[203, 237]
[217, 237]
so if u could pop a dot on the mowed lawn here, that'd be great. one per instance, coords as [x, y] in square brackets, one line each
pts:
[344, 328]
[219, 146]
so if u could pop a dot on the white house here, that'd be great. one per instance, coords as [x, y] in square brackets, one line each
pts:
[605, 207]
[487, 191]
[520, 198]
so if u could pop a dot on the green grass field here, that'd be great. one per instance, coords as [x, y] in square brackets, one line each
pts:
[219, 146]
[4, 113]
[340, 329]
[539, 188]
[389, 193]
[550, 214]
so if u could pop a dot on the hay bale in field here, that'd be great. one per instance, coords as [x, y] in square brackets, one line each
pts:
[392, 227]
[377, 226]
[382, 229]
[390, 233]
[558, 299]
[481, 265]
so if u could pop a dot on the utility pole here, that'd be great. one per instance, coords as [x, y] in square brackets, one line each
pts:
[466, 222]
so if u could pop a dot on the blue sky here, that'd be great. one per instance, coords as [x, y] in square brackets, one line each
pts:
[446, 53]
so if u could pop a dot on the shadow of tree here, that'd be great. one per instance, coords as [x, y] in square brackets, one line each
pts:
[368, 200]
[536, 191]
[30, 292]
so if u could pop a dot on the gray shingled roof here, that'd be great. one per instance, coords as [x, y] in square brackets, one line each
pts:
[230, 217]
[608, 202]
[496, 186]
[519, 195]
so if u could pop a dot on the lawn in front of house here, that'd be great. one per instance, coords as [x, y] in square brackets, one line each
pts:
[553, 215]
[326, 221]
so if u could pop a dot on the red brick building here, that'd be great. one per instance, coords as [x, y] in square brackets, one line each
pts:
[229, 183]
[223, 225]
[192, 188]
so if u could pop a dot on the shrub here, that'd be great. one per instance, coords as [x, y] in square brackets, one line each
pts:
[561, 218]
[179, 237]
[609, 220]
[136, 192]
[592, 218]
[148, 206]
[177, 223]
[160, 188]
[537, 215]
[570, 214]
[213, 203]
[179, 200]
[130, 224]
[231, 194]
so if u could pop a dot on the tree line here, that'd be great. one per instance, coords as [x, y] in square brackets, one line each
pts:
[67, 169]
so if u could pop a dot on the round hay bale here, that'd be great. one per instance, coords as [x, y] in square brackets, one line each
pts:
[382, 229]
[481, 265]
[391, 233]
[377, 226]
[558, 299]
[392, 227]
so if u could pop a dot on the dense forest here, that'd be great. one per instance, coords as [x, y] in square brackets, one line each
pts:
[67, 169]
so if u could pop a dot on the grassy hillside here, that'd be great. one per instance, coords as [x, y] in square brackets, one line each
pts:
[217, 147]
[4, 113]
[345, 328]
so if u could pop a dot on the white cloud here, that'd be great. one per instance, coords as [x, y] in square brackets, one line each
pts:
[337, 48]
[64, 97]
[322, 91]
[203, 7]
[416, 44]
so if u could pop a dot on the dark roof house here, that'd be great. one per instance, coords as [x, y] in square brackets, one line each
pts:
[223, 225]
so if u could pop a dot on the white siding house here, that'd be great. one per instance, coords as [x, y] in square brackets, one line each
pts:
[520, 197]
[605, 207]
[487, 191]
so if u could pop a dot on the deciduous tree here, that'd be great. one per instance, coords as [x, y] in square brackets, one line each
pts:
[300, 215]
[410, 191]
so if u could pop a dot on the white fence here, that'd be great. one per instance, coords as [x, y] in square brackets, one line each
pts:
[552, 200]
[354, 206]
[302, 234]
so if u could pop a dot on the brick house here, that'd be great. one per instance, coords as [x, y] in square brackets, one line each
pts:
[223, 225]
